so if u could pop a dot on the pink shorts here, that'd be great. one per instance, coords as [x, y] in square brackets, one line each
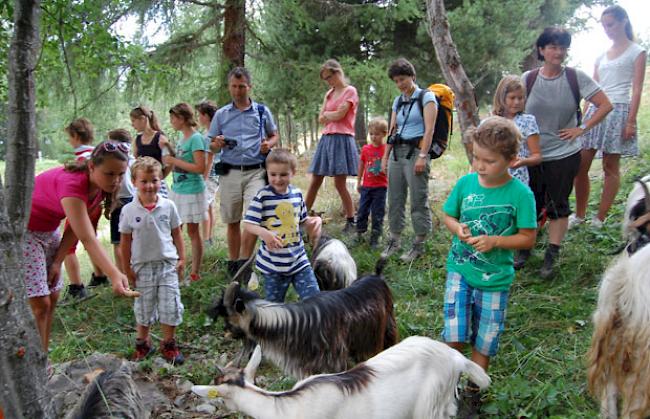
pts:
[39, 249]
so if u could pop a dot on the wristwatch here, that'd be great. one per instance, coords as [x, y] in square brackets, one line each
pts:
[583, 127]
[422, 156]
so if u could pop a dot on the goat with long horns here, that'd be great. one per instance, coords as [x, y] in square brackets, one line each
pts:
[318, 334]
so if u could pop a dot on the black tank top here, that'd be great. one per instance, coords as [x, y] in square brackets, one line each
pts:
[149, 150]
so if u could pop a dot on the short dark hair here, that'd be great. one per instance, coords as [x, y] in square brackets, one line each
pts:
[239, 73]
[401, 67]
[553, 35]
[207, 107]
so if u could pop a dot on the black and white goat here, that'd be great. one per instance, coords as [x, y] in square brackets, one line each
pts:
[415, 379]
[318, 334]
[619, 357]
[112, 394]
[333, 265]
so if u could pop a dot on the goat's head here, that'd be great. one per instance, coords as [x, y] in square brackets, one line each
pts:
[231, 380]
[231, 305]
[639, 219]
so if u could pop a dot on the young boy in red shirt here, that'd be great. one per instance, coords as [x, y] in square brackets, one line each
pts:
[372, 183]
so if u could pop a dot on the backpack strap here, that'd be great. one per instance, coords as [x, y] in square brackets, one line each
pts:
[572, 78]
[530, 80]
[261, 110]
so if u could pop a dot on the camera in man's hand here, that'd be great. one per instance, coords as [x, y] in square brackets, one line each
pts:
[230, 143]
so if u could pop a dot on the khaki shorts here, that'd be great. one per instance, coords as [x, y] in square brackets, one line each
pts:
[238, 188]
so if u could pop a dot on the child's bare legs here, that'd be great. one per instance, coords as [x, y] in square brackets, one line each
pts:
[73, 269]
[43, 310]
[611, 184]
[479, 358]
[142, 332]
[581, 182]
[207, 225]
[197, 248]
[167, 331]
[346, 199]
[314, 186]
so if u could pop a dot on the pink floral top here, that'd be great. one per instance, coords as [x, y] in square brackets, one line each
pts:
[344, 125]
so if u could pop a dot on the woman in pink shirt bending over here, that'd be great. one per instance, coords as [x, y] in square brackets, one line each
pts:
[70, 192]
[337, 154]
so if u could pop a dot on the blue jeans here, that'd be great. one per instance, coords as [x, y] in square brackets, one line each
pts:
[304, 282]
[373, 200]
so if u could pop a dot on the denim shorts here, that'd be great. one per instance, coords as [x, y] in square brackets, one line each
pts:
[304, 281]
[472, 315]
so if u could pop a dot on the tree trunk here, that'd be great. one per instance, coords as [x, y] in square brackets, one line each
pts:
[313, 127]
[22, 362]
[288, 121]
[304, 135]
[233, 44]
[452, 68]
[360, 124]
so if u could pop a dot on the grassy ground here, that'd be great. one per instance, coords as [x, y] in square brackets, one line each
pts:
[540, 368]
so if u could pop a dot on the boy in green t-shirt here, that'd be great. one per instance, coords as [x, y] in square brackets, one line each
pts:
[490, 214]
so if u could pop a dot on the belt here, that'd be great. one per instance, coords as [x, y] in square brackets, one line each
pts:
[244, 167]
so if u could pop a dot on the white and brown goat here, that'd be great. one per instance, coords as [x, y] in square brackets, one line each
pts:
[333, 265]
[319, 334]
[415, 379]
[619, 357]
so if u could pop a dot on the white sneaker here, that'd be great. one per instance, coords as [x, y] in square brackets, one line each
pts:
[596, 223]
[574, 220]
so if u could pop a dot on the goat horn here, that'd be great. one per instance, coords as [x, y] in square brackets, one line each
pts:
[244, 267]
[646, 193]
[229, 294]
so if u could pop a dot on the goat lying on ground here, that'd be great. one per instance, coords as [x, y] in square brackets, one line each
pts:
[113, 394]
[619, 358]
[414, 379]
[333, 265]
[320, 333]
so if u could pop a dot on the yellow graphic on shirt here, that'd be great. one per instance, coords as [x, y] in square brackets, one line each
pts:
[284, 225]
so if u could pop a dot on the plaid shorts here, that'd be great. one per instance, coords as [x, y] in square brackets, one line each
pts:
[483, 311]
[160, 297]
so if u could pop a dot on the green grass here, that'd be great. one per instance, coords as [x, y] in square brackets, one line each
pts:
[540, 369]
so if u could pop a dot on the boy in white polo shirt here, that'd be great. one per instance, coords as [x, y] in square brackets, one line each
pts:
[151, 240]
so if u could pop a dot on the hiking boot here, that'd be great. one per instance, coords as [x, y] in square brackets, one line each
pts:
[143, 349]
[375, 236]
[416, 251]
[469, 403]
[97, 280]
[575, 221]
[521, 257]
[392, 247]
[350, 226]
[76, 292]
[550, 257]
[169, 350]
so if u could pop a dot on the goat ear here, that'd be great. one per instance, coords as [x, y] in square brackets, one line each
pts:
[253, 363]
[239, 305]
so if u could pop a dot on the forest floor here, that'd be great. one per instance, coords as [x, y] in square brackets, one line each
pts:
[540, 368]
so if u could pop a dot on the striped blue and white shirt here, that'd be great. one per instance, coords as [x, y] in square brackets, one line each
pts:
[282, 214]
